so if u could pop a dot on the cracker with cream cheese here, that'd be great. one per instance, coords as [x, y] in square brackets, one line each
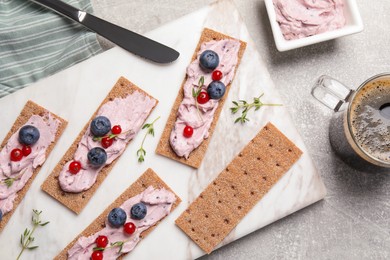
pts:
[75, 190]
[195, 157]
[147, 179]
[54, 126]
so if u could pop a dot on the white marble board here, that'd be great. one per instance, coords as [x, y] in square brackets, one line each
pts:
[76, 92]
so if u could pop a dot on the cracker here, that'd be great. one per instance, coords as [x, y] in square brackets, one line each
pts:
[196, 156]
[77, 201]
[147, 179]
[29, 109]
[237, 189]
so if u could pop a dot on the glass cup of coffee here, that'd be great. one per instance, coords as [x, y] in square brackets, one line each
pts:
[359, 131]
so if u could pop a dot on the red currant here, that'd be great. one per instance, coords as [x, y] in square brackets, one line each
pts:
[188, 131]
[129, 228]
[97, 255]
[217, 75]
[116, 129]
[26, 150]
[101, 241]
[107, 141]
[203, 97]
[74, 167]
[16, 155]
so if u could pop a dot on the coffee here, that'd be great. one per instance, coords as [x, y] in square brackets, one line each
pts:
[370, 118]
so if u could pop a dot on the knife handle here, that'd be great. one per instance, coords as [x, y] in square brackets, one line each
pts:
[62, 8]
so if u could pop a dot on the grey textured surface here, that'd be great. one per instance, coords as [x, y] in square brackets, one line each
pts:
[353, 221]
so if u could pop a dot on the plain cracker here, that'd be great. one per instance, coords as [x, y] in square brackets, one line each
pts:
[237, 189]
[77, 201]
[147, 179]
[28, 110]
[196, 156]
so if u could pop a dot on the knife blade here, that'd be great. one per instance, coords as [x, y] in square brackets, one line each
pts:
[128, 40]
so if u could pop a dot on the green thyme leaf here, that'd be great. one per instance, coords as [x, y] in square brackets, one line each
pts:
[201, 81]
[140, 151]
[151, 131]
[120, 248]
[118, 244]
[234, 110]
[44, 224]
[9, 181]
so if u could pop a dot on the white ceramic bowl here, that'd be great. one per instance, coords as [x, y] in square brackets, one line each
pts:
[354, 24]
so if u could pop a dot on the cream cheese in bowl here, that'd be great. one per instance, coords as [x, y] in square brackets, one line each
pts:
[302, 18]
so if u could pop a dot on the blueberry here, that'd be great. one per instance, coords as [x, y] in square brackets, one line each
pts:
[1, 215]
[209, 60]
[100, 126]
[97, 156]
[28, 135]
[138, 211]
[216, 89]
[117, 217]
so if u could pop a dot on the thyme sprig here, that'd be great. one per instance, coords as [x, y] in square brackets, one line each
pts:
[242, 104]
[27, 237]
[110, 136]
[115, 244]
[10, 180]
[99, 138]
[195, 94]
[141, 153]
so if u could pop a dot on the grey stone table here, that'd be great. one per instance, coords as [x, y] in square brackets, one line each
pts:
[353, 221]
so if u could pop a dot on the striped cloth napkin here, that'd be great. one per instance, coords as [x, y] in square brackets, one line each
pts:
[36, 42]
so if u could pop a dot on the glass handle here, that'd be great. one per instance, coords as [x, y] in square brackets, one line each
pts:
[331, 92]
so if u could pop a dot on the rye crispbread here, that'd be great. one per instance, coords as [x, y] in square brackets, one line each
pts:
[77, 201]
[196, 156]
[28, 110]
[148, 178]
[237, 189]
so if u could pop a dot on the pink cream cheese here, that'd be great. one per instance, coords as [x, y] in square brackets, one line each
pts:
[158, 203]
[302, 18]
[21, 171]
[227, 51]
[130, 113]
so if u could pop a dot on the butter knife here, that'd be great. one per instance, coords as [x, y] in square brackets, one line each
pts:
[128, 40]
